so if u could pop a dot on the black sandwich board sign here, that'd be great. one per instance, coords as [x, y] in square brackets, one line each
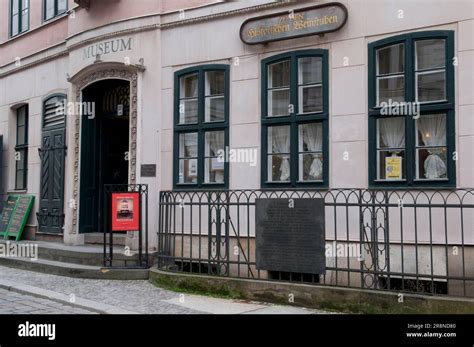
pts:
[15, 213]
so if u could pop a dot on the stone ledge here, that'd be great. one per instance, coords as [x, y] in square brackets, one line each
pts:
[347, 300]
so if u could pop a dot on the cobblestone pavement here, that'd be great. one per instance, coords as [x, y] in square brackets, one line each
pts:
[137, 296]
[14, 303]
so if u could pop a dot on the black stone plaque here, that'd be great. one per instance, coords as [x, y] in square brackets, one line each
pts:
[148, 170]
[290, 235]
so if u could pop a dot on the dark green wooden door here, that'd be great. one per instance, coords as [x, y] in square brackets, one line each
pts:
[89, 191]
[52, 153]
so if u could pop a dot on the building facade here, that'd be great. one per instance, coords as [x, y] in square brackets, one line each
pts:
[383, 99]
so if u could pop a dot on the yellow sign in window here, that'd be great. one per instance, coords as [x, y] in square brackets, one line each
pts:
[393, 167]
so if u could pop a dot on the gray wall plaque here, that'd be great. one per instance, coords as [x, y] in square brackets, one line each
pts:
[291, 239]
[148, 170]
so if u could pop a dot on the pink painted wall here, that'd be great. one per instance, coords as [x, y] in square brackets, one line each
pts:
[43, 35]
[175, 5]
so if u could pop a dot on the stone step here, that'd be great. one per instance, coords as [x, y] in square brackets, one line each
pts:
[92, 255]
[98, 239]
[74, 270]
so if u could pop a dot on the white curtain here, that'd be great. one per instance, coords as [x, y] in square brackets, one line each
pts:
[280, 137]
[433, 133]
[313, 137]
[392, 132]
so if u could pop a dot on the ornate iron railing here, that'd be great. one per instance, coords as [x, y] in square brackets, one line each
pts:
[406, 241]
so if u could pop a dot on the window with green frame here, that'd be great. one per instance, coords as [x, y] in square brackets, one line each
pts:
[19, 16]
[21, 148]
[295, 112]
[201, 121]
[411, 110]
[53, 8]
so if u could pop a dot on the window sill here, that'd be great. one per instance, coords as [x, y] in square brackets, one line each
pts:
[391, 181]
[431, 180]
[19, 191]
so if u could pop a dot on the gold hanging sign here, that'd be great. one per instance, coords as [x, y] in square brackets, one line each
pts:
[291, 24]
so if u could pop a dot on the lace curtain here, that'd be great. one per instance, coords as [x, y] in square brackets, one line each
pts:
[433, 133]
[392, 132]
[313, 137]
[280, 137]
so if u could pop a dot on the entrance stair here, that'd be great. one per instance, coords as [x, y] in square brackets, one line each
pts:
[84, 261]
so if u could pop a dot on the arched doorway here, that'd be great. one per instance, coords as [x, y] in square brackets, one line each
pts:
[80, 82]
[105, 144]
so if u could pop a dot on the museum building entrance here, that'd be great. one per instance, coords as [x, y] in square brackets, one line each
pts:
[105, 129]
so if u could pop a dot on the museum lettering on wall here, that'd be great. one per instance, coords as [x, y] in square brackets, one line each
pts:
[107, 47]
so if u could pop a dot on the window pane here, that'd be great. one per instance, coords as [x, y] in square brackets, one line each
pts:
[279, 142]
[279, 139]
[188, 145]
[310, 140]
[430, 54]
[188, 171]
[215, 109]
[15, 7]
[310, 137]
[20, 136]
[391, 165]
[310, 70]
[311, 99]
[431, 86]
[392, 88]
[19, 180]
[214, 143]
[62, 6]
[278, 168]
[310, 167]
[391, 133]
[189, 86]
[278, 102]
[188, 111]
[214, 82]
[279, 74]
[214, 167]
[431, 132]
[21, 116]
[49, 9]
[21, 156]
[391, 59]
[432, 163]
[24, 20]
[15, 24]
[214, 170]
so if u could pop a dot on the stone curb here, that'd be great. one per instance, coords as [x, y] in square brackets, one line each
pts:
[346, 300]
[86, 304]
